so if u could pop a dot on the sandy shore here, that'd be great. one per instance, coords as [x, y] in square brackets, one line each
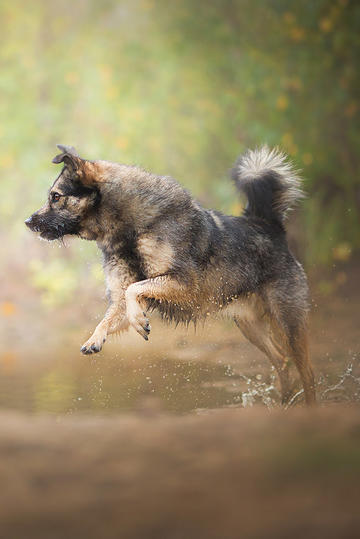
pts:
[227, 474]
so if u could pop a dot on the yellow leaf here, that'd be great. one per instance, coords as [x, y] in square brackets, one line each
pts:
[325, 25]
[105, 72]
[122, 143]
[288, 17]
[342, 252]
[351, 109]
[111, 92]
[295, 83]
[236, 208]
[282, 102]
[71, 78]
[6, 160]
[307, 158]
[293, 149]
[287, 139]
[8, 360]
[297, 33]
[8, 308]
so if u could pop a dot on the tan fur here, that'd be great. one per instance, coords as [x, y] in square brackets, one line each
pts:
[162, 288]
[217, 220]
[158, 255]
[118, 278]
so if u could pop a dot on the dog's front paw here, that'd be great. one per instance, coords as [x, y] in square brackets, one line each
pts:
[140, 323]
[93, 345]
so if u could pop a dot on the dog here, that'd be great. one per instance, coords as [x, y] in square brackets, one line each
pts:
[162, 250]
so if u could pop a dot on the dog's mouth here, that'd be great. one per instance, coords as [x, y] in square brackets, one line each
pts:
[50, 235]
[53, 229]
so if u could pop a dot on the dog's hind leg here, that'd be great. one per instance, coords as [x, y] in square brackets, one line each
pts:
[298, 342]
[258, 331]
[288, 308]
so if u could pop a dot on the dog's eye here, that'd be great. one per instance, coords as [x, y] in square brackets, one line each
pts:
[55, 197]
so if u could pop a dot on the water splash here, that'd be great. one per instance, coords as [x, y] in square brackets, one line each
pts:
[260, 392]
[347, 388]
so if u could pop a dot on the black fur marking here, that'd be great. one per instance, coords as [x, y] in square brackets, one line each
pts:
[261, 194]
[75, 188]
[124, 246]
[53, 225]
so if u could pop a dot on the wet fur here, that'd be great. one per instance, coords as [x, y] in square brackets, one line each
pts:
[163, 251]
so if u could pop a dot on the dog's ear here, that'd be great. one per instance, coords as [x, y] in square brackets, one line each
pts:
[84, 170]
[68, 155]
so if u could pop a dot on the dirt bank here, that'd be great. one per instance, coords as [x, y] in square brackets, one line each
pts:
[229, 474]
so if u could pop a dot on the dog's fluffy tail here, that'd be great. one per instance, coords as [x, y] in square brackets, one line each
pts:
[271, 184]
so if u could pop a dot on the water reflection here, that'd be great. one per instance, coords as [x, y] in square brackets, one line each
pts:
[64, 386]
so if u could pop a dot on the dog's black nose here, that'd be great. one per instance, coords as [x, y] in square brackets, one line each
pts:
[28, 221]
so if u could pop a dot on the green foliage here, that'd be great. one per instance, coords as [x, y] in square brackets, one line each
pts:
[182, 88]
[56, 280]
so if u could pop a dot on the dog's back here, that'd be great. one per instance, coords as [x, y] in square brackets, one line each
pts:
[224, 258]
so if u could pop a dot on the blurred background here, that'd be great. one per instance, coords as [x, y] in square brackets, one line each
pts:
[180, 88]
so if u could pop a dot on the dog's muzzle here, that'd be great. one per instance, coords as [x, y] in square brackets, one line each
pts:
[29, 222]
[35, 223]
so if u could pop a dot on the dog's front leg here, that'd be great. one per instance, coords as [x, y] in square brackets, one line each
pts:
[162, 288]
[118, 278]
[114, 321]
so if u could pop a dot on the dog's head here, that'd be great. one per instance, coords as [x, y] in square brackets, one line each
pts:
[72, 199]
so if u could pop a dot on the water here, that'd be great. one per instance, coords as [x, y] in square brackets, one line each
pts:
[110, 384]
[177, 371]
